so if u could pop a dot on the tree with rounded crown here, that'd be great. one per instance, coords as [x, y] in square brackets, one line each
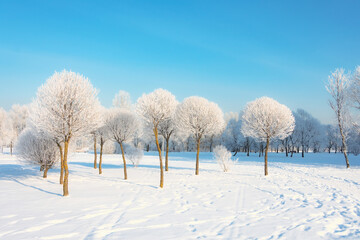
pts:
[265, 119]
[66, 106]
[198, 117]
[156, 108]
[37, 148]
[122, 126]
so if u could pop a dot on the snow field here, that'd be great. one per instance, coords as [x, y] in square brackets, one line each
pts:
[296, 201]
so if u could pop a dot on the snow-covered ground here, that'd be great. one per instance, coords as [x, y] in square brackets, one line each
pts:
[310, 198]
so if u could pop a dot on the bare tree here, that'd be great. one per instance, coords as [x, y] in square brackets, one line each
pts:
[307, 128]
[338, 84]
[265, 119]
[122, 126]
[66, 106]
[198, 117]
[156, 108]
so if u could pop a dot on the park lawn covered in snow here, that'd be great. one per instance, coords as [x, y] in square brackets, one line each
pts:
[310, 198]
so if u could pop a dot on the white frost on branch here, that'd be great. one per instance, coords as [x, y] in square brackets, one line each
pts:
[122, 100]
[156, 107]
[198, 117]
[122, 125]
[266, 118]
[223, 157]
[66, 106]
[37, 148]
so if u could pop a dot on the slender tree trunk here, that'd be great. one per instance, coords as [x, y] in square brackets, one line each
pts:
[95, 153]
[344, 147]
[61, 164]
[66, 169]
[248, 151]
[101, 153]
[11, 148]
[45, 172]
[160, 158]
[302, 151]
[124, 161]
[167, 155]
[235, 153]
[266, 155]
[197, 155]
[286, 151]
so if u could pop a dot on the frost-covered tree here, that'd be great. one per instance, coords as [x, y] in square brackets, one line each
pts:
[122, 100]
[338, 87]
[265, 119]
[66, 106]
[330, 132]
[232, 136]
[5, 128]
[156, 108]
[306, 130]
[355, 88]
[103, 134]
[167, 129]
[18, 115]
[122, 126]
[198, 117]
[37, 148]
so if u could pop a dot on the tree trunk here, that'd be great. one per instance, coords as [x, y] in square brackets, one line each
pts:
[286, 151]
[101, 153]
[66, 169]
[344, 147]
[45, 172]
[167, 155]
[266, 155]
[61, 164]
[160, 157]
[248, 151]
[302, 151]
[11, 148]
[197, 155]
[95, 153]
[235, 153]
[123, 157]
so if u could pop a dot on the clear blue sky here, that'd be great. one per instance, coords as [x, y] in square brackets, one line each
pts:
[230, 52]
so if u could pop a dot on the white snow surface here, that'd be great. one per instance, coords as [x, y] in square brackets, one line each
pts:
[310, 198]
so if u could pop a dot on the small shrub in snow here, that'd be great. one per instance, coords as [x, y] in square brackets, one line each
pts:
[38, 149]
[134, 154]
[223, 157]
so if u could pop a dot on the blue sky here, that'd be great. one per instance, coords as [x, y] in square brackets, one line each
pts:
[230, 52]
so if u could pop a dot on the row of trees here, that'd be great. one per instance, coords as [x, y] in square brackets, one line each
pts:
[67, 108]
